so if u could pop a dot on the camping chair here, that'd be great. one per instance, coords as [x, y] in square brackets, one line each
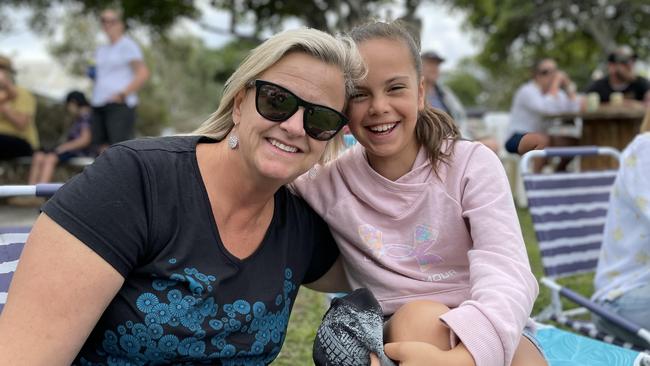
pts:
[568, 211]
[12, 239]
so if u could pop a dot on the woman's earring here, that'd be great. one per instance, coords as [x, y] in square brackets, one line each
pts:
[233, 141]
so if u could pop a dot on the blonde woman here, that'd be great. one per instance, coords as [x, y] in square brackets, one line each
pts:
[622, 281]
[189, 249]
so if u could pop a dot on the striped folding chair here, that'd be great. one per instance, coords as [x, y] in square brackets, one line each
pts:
[568, 211]
[12, 239]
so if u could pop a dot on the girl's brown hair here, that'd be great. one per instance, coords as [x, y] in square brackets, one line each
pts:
[433, 126]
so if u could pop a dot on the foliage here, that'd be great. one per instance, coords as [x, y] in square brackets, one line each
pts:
[306, 315]
[577, 34]
[466, 84]
[158, 16]
[182, 90]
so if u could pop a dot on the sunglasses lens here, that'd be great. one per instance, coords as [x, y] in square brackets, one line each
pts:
[275, 104]
[322, 123]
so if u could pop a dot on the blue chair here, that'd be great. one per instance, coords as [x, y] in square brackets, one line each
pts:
[12, 239]
[568, 211]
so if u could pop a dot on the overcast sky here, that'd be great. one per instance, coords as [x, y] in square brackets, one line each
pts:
[441, 32]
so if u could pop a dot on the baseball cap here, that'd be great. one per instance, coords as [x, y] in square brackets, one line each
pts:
[432, 55]
[622, 54]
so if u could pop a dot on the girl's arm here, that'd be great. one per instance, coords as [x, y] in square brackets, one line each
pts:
[59, 291]
[502, 286]
[79, 143]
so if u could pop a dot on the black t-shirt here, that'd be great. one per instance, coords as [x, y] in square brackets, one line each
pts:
[143, 208]
[635, 90]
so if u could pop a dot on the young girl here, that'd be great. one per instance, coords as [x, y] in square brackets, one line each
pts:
[425, 221]
[77, 141]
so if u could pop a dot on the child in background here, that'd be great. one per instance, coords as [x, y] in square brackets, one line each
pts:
[77, 141]
[425, 221]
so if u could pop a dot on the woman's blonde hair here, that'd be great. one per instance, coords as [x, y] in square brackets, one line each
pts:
[645, 125]
[340, 52]
[433, 126]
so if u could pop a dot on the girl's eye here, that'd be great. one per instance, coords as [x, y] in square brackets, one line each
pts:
[357, 95]
[396, 87]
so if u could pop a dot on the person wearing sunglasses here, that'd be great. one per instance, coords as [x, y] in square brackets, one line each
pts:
[549, 92]
[621, 77]
[190, 249]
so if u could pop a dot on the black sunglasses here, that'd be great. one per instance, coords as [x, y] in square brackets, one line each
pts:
[545, 72]
[278, 104]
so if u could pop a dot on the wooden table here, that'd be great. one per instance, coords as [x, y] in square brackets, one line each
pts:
[613, 126]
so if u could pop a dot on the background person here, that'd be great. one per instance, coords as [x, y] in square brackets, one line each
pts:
[190, 249]
[549, 92]
[441, 97]
[77, 141]
[621, 77]
[622, 280]
[120, 72]
[18, 133]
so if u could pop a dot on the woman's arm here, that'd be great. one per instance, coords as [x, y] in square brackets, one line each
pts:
[60, 289]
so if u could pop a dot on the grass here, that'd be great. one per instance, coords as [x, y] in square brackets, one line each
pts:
[310, 306]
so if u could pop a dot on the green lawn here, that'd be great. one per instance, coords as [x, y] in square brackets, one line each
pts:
[310, 306]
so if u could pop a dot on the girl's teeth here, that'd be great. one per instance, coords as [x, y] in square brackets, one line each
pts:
[382, 128]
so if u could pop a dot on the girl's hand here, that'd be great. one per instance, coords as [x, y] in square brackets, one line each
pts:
[425, 354]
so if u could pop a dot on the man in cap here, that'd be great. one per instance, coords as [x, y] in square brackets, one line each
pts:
[441, 97]
[18, 134]
[621, 77]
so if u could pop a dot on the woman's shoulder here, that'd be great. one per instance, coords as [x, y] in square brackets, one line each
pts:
[170, 144]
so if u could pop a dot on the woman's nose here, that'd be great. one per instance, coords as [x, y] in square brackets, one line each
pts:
[295, 125]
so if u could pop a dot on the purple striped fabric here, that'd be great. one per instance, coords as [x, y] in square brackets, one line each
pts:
[575, 267]
[5, 278]
[569, 183]
[568, 216]
[545, 235]
[557, 207]
[565, 200]
[569, 249]
[10, 252]
[15, 230]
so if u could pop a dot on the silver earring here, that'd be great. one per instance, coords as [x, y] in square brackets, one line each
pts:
[233, 141]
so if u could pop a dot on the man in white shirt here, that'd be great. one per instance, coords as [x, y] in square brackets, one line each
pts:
[120, 72]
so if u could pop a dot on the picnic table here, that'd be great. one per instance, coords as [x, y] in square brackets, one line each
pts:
[608, 125]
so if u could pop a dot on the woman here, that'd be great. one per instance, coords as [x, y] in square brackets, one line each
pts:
[189, 249]
[622, 280]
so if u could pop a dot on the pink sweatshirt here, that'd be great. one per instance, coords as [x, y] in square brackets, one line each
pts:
[454, 239]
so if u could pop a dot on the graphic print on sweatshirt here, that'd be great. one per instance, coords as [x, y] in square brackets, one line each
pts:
[420, 249]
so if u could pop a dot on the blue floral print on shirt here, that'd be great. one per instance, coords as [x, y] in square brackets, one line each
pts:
[154, 341]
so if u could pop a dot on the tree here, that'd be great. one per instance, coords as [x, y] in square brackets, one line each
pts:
[573, 32]
[182, 90]
[158, 16]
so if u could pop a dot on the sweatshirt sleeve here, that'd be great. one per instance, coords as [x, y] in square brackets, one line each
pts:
[502, 286]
